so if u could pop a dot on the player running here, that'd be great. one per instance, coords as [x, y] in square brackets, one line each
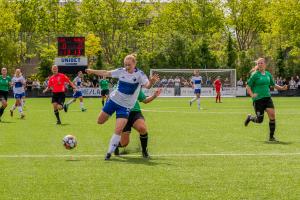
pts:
[196, 85]
[122, 99]
[218, 86]
[5, 82]
[137, 121]
[18, 83]
[56, 83]
[78, 81]
[104, 86]
[258, 87]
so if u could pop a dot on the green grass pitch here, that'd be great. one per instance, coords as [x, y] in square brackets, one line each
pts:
[206, 154]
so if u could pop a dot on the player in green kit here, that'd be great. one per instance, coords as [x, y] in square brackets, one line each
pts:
[137, 121]
[258, 87]
[5, 83]
[104, 85]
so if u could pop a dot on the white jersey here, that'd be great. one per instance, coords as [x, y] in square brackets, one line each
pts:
[18, 84]
[197, 80]
[129, 86]
[78, 81]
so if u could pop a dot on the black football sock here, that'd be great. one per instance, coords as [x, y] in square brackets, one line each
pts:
[56, 112]
[144, 142]
[257, 119]
[272, 126]
[2, 111]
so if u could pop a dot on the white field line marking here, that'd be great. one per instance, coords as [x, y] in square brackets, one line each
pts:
[154, 155]
[207, 112]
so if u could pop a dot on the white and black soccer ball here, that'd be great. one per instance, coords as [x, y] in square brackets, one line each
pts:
[69, 142]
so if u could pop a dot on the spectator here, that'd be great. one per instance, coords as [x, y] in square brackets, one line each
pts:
[208, 82]
[95, 81]
[226, 83]
[177, 86]
[240, 83]
[36, 84]
[45, 84]
[284, 82]
[88, 83]
[297, 79]
[292, 84]
[171, 82]
[163, 82]
[29, 84]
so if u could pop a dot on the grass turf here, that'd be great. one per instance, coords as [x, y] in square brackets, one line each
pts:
[206, 154]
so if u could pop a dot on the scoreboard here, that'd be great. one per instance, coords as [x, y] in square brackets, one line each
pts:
[71, 54]
[71, 46]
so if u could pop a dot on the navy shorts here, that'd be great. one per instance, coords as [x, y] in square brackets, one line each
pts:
[197, 91]
[77, 94]
[19, 96]
[110, 107]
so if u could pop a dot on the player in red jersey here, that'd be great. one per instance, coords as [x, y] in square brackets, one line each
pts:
[56, 83]
[218, 86]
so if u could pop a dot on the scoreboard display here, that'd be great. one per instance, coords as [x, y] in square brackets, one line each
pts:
[71, 46]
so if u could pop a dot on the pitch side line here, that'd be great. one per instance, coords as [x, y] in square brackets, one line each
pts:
[155, 155]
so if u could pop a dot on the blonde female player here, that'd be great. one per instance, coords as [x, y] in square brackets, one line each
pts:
[258, 87]
[123, 98]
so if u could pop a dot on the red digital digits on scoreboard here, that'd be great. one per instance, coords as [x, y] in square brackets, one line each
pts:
[71, 46]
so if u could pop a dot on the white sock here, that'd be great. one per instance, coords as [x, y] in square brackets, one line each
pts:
[13, 107]
[71, 101]
[198, 103]
[81, 105]
[20, 109]
[114, 142]
[194, 99]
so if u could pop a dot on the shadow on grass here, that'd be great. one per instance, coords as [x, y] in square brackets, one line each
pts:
[278, 142]
[138, 160]
[63, 124]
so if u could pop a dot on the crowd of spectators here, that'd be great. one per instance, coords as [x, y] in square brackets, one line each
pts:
[176, 82]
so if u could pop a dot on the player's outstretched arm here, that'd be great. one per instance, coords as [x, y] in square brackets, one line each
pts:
[99, 72]
[46, 89]
[151, 98]
[277, 87]
[153, 79]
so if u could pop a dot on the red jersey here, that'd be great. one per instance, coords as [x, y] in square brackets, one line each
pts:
[57, 82]
[217, 84]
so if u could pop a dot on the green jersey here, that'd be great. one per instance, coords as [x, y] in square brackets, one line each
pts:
[4, 83]
[104, 84]
[140, 98]
[260, 84]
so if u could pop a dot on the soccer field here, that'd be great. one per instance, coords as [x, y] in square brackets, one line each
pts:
[206, 154]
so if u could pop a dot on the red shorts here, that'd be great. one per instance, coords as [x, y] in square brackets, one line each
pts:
[218, 89]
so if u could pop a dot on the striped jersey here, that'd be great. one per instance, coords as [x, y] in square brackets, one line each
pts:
[78, 82]
[197, 80]
[18, 84]
[129, 86]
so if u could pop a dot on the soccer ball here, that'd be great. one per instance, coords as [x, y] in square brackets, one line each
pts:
[69, 142]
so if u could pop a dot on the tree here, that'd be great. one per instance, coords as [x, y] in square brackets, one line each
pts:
[231, 53]
[92, 48]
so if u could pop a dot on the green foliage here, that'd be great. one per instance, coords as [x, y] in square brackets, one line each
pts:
[178, 34]
[231, 54]
[47, 58]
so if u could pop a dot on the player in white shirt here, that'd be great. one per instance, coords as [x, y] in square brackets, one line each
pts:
[196, 84]
[123, 98]
[78, 81]
[18, 83]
